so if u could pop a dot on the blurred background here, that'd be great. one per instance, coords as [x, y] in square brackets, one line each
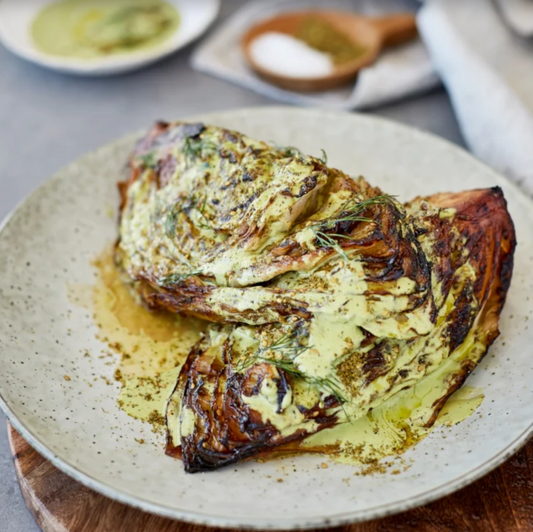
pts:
[465, 75]
[49, 118]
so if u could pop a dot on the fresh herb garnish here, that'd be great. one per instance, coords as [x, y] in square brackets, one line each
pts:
[177, 278]
[289, 366]
[201, 211]
[289, 343]
[291, 151]
[350, 212]
[186, 206]
[197, 147]
[290, 348]
[149, 160]
[352, 209]
[324, 158]
[327, 241]
[170, 223]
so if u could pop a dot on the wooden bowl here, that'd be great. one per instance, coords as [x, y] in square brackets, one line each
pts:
[372, 34]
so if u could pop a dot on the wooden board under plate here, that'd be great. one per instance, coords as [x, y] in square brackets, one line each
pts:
[501, 501]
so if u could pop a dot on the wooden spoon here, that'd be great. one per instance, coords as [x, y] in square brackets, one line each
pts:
[372, 34]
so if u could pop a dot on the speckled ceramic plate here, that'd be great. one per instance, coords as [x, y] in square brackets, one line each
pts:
[49, 241]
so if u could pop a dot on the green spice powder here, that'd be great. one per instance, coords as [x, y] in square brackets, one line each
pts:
[324, 37]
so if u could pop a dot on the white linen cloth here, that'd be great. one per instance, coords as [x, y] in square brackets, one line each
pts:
[518, 14]
[399, 72]
[488, 72]
[477, 47]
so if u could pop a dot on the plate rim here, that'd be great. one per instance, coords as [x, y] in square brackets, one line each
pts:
[339, 519]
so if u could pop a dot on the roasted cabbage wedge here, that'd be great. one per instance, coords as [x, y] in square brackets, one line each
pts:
[327, 296]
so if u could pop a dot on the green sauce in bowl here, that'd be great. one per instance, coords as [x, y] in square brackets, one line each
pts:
[89, 29]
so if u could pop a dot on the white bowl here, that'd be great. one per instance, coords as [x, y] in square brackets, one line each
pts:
[16, 18]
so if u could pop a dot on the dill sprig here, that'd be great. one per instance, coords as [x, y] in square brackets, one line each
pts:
[324, 383]
[170, 223]
[201, 211]
[185, 207]
[290, 151]
[350, 212]
[177, 278]
[288, 343]
[197, 147]
[290, 348]
[149, 160]
[332, 387]
[293, 151]
[327, 241]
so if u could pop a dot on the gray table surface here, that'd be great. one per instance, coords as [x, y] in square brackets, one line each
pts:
[48, 120]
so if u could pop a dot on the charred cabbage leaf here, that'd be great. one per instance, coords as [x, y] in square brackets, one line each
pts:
[331, 297]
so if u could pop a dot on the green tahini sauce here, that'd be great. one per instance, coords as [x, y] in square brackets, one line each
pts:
[89, 29]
